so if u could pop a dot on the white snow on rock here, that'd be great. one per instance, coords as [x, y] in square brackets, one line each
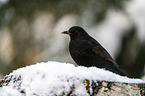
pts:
[9, 91]
[53, 78]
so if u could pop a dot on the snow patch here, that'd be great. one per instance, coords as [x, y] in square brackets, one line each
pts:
[54, 78]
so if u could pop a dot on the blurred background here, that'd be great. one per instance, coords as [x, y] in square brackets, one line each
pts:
[30, 31]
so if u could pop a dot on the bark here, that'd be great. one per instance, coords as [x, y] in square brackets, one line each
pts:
[93, 88]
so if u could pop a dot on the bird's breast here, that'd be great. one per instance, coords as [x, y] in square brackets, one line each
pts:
[80, 51]
[79, 48]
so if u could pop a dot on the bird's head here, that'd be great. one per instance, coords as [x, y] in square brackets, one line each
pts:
[75, 31]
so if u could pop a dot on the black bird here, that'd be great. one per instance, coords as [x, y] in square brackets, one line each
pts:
[86, 51]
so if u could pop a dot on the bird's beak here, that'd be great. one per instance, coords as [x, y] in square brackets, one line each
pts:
[66, 32]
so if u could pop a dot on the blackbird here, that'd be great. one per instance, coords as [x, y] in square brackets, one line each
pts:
[86, 51]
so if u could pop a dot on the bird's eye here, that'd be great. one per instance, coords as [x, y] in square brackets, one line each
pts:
[76, 31]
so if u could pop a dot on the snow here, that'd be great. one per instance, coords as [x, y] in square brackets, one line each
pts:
[8, 91]
[54, 78]
[143, 78]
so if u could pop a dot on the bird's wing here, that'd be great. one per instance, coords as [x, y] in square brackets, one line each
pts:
[104, 54]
